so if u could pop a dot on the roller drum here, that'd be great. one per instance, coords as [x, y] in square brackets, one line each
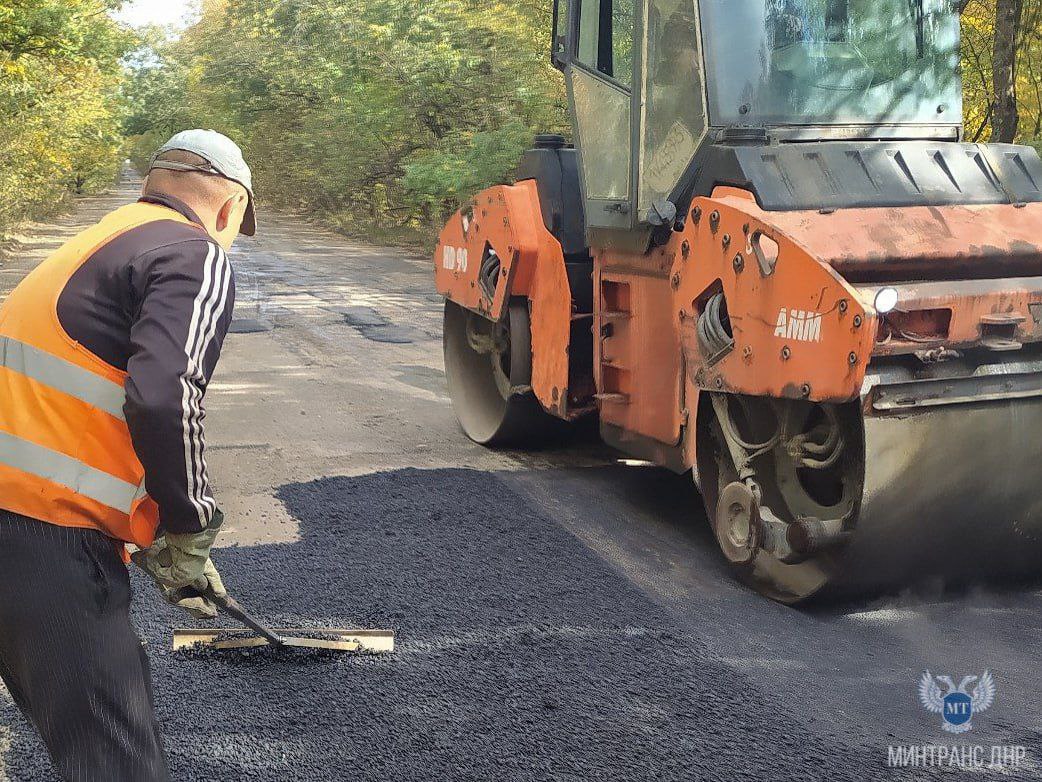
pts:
[951, 495]
[953, 492]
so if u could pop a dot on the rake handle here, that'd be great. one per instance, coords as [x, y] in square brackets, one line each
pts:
[230, 606]
[227, 604]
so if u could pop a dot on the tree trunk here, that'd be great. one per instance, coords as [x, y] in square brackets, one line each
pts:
[1005, 117]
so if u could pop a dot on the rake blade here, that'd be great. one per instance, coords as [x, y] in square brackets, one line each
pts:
[336, 639]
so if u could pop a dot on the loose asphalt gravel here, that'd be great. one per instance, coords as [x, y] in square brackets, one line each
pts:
[520, 656]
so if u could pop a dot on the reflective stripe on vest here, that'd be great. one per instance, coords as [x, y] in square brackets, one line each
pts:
[63, 376]
[87, 387]
[66, 471]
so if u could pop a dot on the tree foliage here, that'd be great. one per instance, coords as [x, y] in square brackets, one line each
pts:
[369, 113]
[373, 115]
[1002, 69]
[390, 112]
[60, 74]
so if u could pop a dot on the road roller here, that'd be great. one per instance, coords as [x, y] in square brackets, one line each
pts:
[771, 258]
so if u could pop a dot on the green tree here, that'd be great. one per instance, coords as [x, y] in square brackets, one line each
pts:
[60, 73]
[377, 114]
[1002, 69]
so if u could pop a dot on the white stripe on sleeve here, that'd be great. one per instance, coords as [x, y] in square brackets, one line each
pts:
[207, 309]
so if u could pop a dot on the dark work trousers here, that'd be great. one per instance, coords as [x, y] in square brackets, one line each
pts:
[69, 655]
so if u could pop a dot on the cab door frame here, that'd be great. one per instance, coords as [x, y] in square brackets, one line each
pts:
[611, 211]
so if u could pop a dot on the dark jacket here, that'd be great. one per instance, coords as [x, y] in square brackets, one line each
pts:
[156, 302]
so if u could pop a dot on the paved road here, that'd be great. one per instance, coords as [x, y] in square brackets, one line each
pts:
[337, 375]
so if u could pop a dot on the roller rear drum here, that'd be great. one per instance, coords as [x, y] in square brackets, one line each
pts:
[488, 366]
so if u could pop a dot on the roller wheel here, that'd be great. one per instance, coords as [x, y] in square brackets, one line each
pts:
[488, 366]
[808, 463]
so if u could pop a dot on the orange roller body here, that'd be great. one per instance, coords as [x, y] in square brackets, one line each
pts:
[772, 267]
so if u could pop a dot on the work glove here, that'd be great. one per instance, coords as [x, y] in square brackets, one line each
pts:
[180, 565]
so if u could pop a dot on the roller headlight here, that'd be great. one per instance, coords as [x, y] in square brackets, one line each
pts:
[886, 300]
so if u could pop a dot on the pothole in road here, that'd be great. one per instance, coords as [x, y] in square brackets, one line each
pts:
[374, 326]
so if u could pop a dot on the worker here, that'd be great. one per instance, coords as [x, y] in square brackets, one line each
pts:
[106, 350]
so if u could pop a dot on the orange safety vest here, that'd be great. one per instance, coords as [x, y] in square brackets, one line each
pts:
[66, 456]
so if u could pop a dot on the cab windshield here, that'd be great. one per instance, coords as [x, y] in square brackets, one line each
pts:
[810, 62]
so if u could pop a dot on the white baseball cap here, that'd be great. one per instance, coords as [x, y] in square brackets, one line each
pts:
[224, 158]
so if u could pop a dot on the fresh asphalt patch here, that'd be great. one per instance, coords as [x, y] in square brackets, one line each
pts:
[521, 655]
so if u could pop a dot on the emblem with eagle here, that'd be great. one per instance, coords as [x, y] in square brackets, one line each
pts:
[958, 705]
